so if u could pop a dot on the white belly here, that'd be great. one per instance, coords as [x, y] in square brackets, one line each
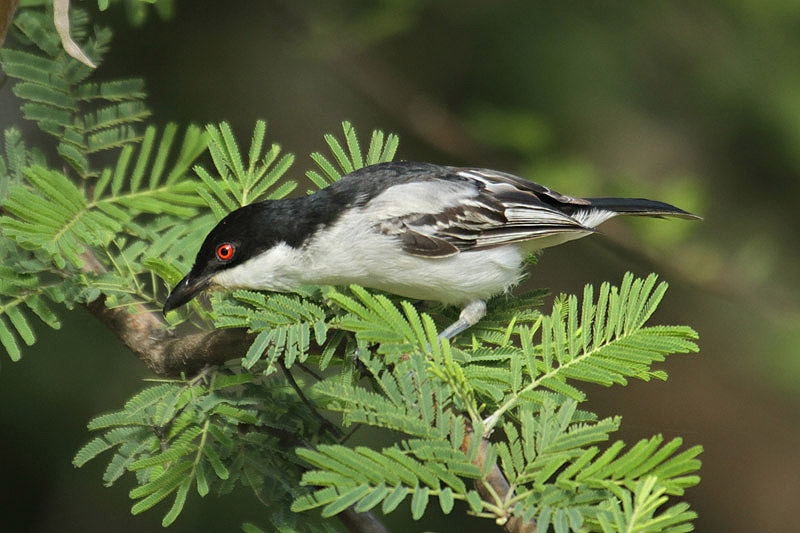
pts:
[457, 279]
[376, 260]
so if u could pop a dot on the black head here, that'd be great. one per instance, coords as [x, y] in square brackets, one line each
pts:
[241, 235]
[252, 230]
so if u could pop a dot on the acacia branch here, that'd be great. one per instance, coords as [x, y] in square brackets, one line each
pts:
[7, 9]
[499, 486]
[164, 352]
[356, 522]
[169, 355]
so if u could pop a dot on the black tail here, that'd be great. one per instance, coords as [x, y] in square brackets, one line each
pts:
[640, 206]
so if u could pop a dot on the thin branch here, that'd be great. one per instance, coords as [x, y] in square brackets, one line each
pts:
[7, 9]
[327, 424]
[496, 486]
[356, 522]
[429, 120]
[165, 353]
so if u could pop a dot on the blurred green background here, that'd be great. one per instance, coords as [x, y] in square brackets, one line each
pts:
[694, 103]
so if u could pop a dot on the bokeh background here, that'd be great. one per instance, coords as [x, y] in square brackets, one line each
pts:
[692, 102]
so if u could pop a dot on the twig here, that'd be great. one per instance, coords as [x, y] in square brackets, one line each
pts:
[7, 9]
[429, 120]
[61, 21]
[309, 371]
[496, 486]
[162, 351]
[361, 522]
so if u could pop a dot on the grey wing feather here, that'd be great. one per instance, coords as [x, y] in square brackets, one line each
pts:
[495, 177]
[417, 243]
[491, 209]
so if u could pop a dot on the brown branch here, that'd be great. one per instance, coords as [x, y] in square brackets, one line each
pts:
[7, 9]
[499, 487]
[361, 522]
[165, 353]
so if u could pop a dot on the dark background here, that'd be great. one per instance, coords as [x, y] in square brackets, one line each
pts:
[695, 103]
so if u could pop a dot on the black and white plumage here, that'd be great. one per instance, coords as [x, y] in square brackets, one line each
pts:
[423, 231]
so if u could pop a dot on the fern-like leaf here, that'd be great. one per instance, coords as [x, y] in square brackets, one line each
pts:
[239, 182]
[639, 511]
[382, 148]
[20, 296]
[86, 117]
[366, 478]
[286, 325]
[54, 215]
[613, 345]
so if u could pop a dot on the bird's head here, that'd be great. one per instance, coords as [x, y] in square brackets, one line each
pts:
[237, 238]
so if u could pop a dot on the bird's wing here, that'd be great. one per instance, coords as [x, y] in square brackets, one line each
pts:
[494, 179]
[471, 210]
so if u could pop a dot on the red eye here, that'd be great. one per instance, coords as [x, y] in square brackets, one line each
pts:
[224, 252]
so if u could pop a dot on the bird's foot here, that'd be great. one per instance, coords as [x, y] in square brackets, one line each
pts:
[469, 316]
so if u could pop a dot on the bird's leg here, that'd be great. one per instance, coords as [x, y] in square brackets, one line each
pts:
[469, 316]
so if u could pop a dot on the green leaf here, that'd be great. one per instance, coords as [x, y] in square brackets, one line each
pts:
[177, 505]
[376, 496]
[474, 501]
[238, 184]
[258, 347]
[345, 500]
[394, 499]
[21, 325]
[618, 350]
[161, 487]
[419, 502]
[90, 450]
[9, 342]
[351, 159]
[446, 500]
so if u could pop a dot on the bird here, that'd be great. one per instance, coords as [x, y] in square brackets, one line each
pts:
[418, 230]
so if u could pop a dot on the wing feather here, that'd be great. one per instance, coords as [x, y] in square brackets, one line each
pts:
[475, 209]
[417, 243]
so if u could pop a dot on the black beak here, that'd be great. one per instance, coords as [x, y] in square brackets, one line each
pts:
[184, 291]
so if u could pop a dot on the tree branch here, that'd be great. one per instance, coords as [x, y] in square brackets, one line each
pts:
[7, 9]
[162, 351]
[356, 522]
[429, 120]
[499, 484]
